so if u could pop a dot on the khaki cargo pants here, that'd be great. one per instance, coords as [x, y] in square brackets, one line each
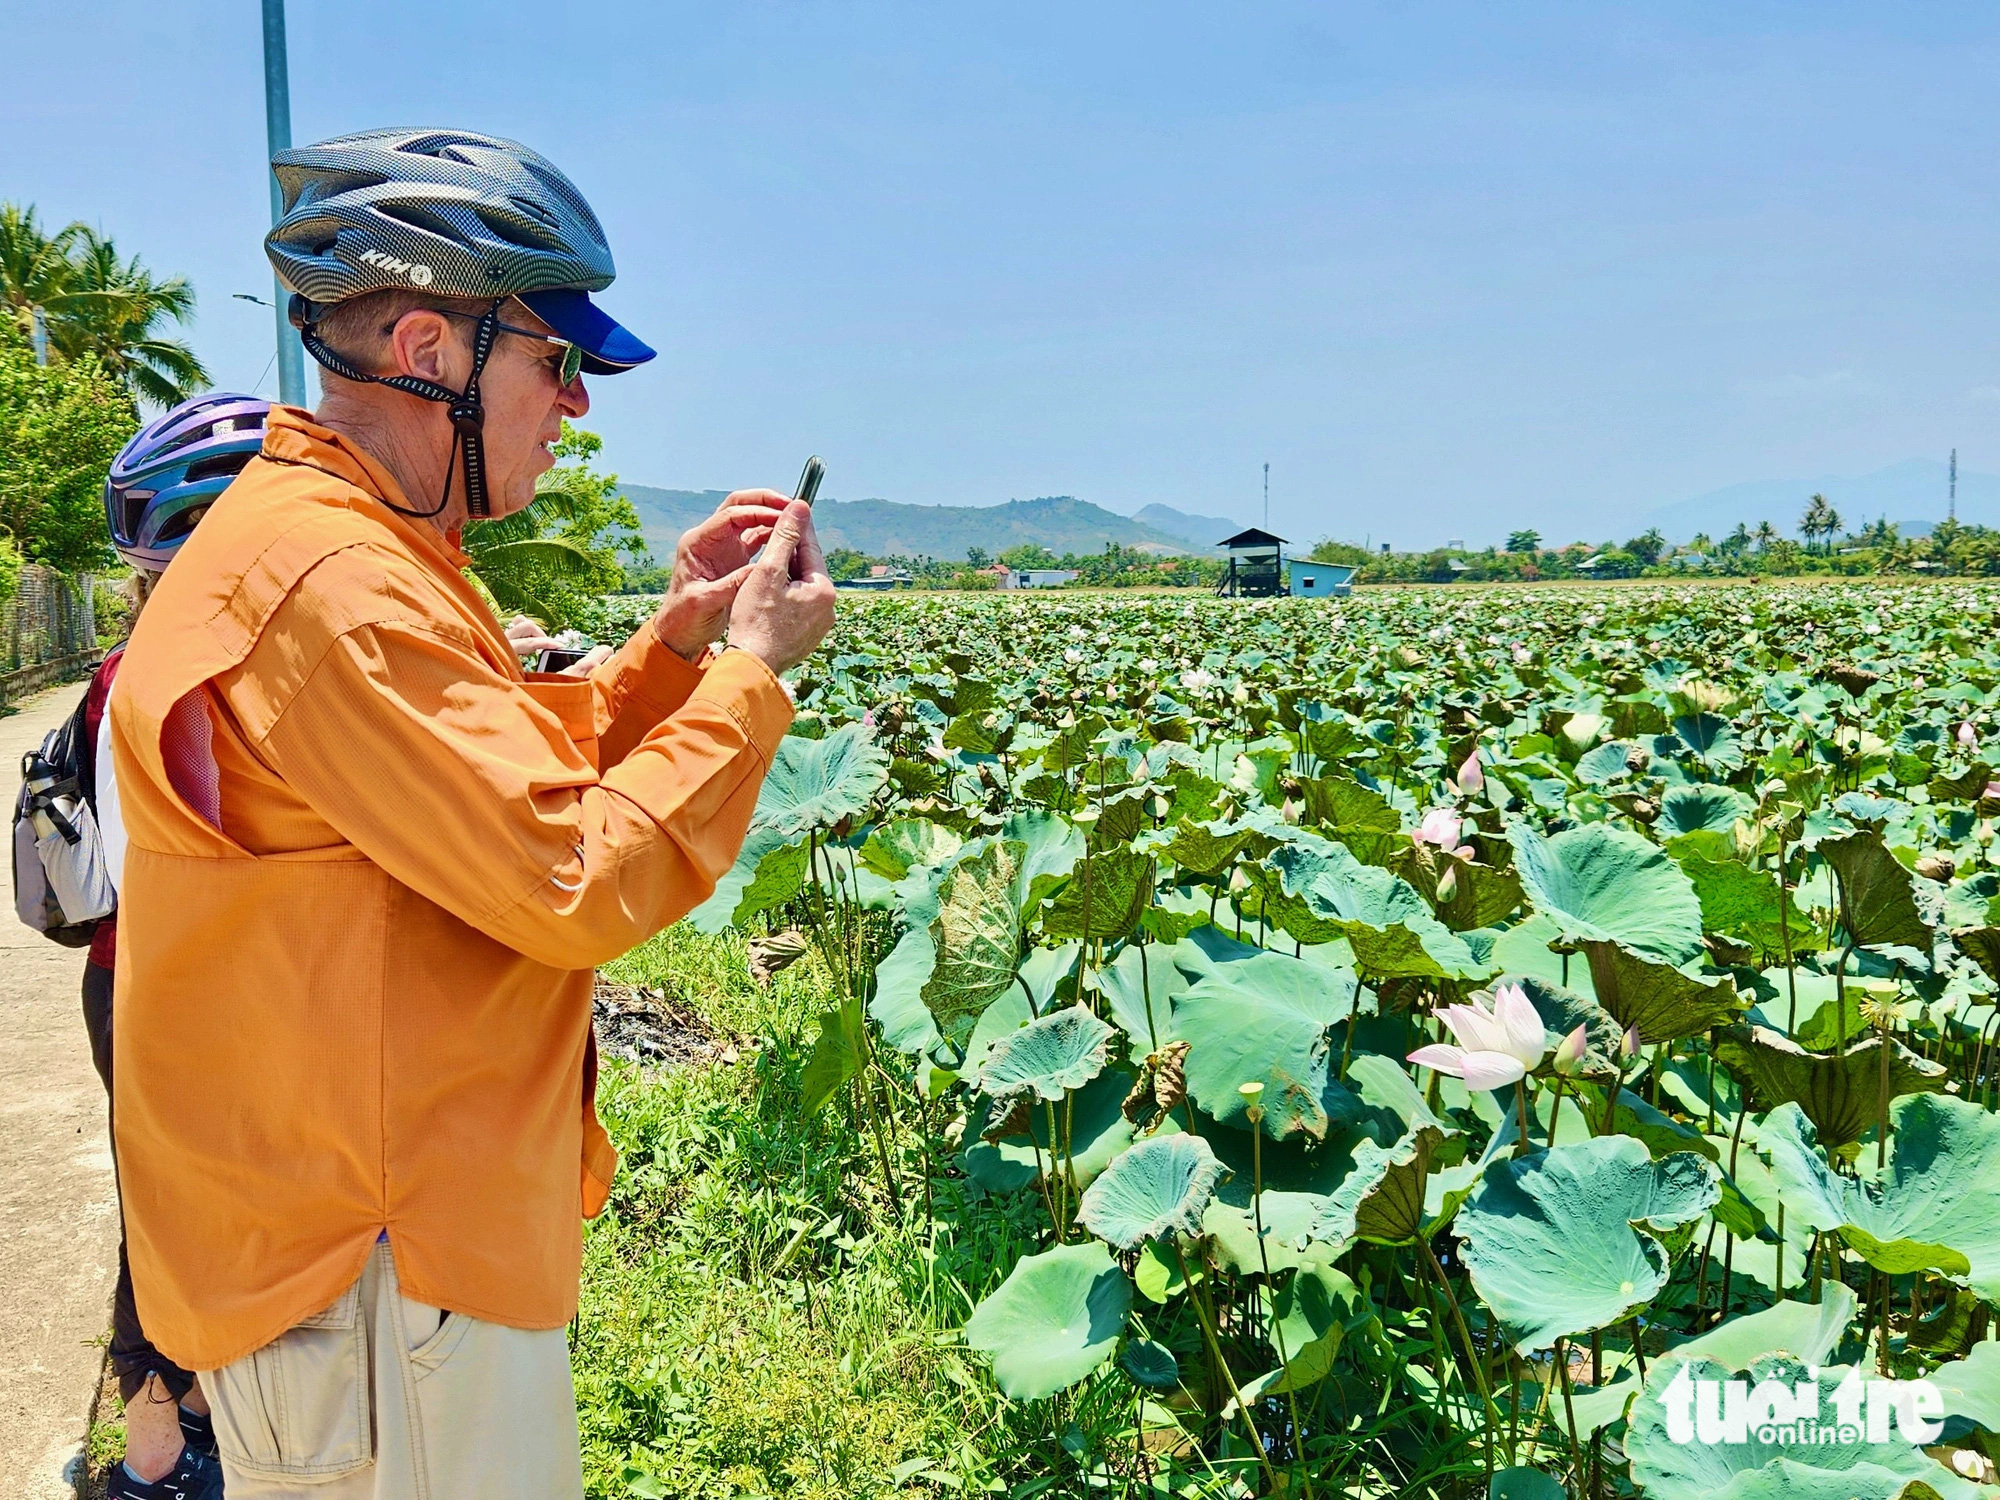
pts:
[382, 1398]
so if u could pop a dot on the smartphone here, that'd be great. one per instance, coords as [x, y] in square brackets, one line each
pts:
[555, 658]
[809, 481]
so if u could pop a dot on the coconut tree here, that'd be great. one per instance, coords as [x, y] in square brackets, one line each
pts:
[1766, 534]
[95, 301]
[120, 312]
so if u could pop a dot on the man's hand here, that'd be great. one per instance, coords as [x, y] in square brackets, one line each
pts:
[710, 565]
[527, 638]
[785, 605]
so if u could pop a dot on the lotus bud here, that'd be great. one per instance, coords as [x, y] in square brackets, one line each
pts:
[1253, 1101]
[1629, 1047]
[1968, 737]
[1471, 777]
[1159, 805]
[1447, 886]
[1239, 881]
[1569, 1052]
[1290, 811]
[1969, 1464]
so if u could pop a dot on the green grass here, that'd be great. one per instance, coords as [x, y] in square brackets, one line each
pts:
[758, 1318]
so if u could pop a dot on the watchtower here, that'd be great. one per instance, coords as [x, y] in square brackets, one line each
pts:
[1256, 565]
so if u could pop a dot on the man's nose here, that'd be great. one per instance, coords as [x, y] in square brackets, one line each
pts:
[574, 400]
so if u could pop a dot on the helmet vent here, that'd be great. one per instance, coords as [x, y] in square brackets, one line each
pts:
[219, 464]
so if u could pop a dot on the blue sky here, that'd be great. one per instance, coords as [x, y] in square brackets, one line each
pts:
[1448, 268]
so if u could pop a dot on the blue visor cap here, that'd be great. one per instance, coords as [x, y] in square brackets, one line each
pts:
[609, 348]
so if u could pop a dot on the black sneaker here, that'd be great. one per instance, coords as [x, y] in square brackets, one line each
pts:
[195, 1477]
[197, 1431]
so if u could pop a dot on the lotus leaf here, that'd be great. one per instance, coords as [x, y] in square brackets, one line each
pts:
[1971, 1386]
[1844, 1466]
[1840, 1092]
[1694, 809]
[1305, 1320]
[1564, 1241]
[1158, 1187]
[1877, 903]
[1937, 1207]
[1739, 902]
[1048, 1057]
[1267, 1019]
[1522, 1484]
[1097, 1130]
[899, 846]
[1391, 927]
[818, 783]
[1054, 1319]
[1599, 882]
[1104, 899]
[1660, 1000]
[1140, 987]
[1151, 1365]
[836, 1056]
[976, 936]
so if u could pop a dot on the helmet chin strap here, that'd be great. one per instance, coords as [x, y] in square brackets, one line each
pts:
[468, 415]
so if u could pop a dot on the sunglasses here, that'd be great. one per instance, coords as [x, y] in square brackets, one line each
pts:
[567, 369]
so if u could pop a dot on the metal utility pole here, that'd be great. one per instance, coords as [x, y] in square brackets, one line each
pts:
[278, 133]
[1951, 510]
[41, 336]
[1267, 497]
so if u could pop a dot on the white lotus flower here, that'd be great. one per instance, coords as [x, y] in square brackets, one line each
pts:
[1440, 829]
[1198, 681]
[1495, 1047]
[1968, 737]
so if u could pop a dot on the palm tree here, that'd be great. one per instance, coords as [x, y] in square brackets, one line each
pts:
[98, 303]
[122, 309]
[1766, 534]
[34, 267]
[1819, 519]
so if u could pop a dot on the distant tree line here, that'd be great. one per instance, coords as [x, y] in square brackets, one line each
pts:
[1880, 549]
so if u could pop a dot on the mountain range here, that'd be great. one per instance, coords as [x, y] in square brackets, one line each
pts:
[1911, 493]
[888, 528]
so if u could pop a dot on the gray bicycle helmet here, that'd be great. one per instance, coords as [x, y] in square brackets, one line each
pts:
[444, 211]
[456, 214]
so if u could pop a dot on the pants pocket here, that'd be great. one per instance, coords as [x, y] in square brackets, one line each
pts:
[298, 1407]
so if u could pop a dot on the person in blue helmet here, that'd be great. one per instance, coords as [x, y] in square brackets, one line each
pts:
[159, 487]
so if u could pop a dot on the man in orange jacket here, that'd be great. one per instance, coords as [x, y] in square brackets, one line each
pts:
[371, 864]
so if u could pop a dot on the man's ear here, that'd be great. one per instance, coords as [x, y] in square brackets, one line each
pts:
[421, 344]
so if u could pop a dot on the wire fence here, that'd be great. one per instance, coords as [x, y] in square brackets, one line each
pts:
[48, 630]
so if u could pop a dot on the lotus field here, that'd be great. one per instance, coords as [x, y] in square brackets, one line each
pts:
[1404, 1035]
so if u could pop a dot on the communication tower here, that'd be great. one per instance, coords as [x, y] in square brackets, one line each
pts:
[1951, 509]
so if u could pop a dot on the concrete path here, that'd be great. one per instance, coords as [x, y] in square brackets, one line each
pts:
[58, 1207]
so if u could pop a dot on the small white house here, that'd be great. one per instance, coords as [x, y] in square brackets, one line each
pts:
[1037, 578]
[1312, 580]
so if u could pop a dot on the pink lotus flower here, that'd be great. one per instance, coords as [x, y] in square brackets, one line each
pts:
[1569, 1052]
[1968, 737]
[1471, 777]
[1440, 828]
[1496, 1046]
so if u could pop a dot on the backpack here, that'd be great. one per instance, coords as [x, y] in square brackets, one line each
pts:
[62, 881]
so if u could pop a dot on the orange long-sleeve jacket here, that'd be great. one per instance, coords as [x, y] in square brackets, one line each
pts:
[370, 869]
